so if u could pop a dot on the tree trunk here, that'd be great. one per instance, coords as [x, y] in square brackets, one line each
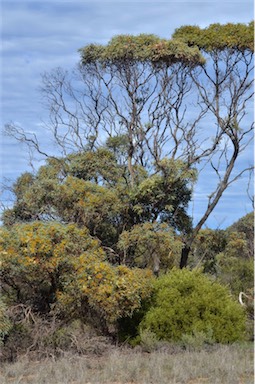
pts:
[131, 169]
[184, 256]
[218, 193]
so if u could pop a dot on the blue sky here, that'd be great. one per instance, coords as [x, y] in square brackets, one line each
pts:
[37, 36]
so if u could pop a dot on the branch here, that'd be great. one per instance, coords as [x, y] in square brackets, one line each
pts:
[30, 140]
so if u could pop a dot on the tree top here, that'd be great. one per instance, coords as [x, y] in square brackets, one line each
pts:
[141, 48]
[219, 37]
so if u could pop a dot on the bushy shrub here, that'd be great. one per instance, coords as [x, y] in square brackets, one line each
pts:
[197, 340]
[186, 301]
[37, 260]
[110, 292]
[62, 269]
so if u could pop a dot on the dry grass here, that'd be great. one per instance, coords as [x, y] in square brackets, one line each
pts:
[222, 365]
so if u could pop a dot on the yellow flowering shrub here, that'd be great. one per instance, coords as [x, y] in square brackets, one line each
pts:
[48, 263]
[34, 258]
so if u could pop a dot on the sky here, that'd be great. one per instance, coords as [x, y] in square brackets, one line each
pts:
[37, 36]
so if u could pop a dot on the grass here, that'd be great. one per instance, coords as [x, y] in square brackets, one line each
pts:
[222, 365]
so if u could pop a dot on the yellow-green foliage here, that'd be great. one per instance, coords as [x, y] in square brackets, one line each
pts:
[186, 301]
[205, 248]
[142, 48]
[218, 37]
[113, 292]
[43, 246]
[98, 166]
[46, 263]
[36, 256]
[91, 189]
[235, 266]
[150, 243]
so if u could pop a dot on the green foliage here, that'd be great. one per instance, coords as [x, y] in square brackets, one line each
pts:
[36, 257]
[165, 195]
[235, 262]
[150, 245]
[197, 340]
[245, 227]
[148, 340]
[142, 48]
[91, 189]
[227, 254]
[52, 264]
[234, 266]
[206, 247]
[218, 37]
[55, 194]
[99, 166]
[119, 145]
[185, 302]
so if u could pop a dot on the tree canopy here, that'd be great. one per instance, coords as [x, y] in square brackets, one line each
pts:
[128, 124]
[218, 37]
[141, 48]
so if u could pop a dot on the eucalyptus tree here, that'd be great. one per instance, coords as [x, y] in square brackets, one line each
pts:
[134, 86]
[147, 99]
[225, 88]
[144, 81]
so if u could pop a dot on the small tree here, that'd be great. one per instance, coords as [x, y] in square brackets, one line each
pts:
[150, 245]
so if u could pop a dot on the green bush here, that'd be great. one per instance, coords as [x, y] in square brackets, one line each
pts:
[186, 302]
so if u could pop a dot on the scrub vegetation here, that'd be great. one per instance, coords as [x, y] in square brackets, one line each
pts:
[104, 276]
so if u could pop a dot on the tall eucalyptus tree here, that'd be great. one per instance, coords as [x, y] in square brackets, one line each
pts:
[147, 99]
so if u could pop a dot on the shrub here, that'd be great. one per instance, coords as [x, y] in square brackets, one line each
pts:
[197, 340]
[61, 269]
[187, 302]
[148, 340]
[110, 292]
[37, 260]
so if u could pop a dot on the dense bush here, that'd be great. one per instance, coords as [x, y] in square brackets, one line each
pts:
[49, 266]
[185, 302]
[36, 259]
